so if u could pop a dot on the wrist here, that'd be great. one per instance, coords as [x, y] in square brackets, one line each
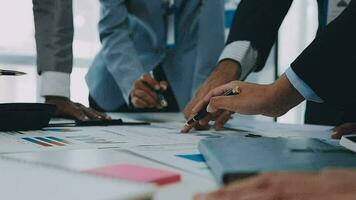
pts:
[281, 97]
[228, 70]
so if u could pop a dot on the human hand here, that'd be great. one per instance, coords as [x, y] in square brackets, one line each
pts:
[344, 129]
[271, 100]
[227, 70]
[331, 184]
[144, 93]
[68, 109]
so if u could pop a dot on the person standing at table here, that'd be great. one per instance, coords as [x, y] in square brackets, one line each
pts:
[54, 38]
[149, 46]
[253, 33]
[331, 57]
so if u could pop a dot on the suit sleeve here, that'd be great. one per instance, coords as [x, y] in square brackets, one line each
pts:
[328, 65]
[118, 50]
[54, 37]
[257, 23]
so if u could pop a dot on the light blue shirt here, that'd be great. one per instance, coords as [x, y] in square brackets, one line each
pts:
[302, 87]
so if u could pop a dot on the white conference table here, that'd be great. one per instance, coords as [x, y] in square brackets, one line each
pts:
[190, 183]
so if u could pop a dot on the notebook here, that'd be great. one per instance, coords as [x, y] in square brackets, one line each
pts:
[237, 157]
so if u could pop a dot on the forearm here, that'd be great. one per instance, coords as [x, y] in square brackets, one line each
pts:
[282, 96]
[54, 37]
[118, 48]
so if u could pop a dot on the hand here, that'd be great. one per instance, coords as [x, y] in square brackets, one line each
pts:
[143, 96]
[344, 129]
[67, 108]
[271, 100]
[326, 185]
[228, 70]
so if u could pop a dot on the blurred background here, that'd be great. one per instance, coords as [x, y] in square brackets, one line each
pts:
[18, 51]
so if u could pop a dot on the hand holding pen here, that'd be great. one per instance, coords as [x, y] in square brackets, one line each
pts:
[204, 111]
[148, 93]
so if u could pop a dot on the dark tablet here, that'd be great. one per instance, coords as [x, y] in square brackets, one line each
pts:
[25, 116]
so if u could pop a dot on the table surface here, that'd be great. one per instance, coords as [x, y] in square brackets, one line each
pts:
[190, 183]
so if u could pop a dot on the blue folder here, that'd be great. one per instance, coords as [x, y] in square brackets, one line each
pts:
[236, 157]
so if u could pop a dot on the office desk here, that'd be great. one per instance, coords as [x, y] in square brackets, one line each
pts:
[190, 183]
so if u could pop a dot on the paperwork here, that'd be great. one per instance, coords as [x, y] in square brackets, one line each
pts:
[54, 139]
[23, 180]
[185, 157]
[271, 129]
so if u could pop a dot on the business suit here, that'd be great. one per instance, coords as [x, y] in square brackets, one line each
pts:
[258, 22]
[336, 84]
[132, 36]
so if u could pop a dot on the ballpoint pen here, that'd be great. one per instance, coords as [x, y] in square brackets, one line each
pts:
[203, 113]
[11, 73]
[162, 100]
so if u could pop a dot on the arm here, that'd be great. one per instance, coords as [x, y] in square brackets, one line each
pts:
[327, 65]
[54, 37]
[253, 33]
[118, 48]
[315, 67]
[251, 37]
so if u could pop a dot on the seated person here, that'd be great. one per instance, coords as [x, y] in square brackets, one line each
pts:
[173, 39]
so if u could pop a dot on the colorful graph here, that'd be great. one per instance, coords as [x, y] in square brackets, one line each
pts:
[47, 141]
[193, 157]
[60, 130]
[93, 139]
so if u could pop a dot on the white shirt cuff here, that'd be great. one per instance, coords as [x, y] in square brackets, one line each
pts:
[55, 84]
[242, 52]
[302, 87]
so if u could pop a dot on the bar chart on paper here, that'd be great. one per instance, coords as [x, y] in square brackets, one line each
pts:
[48, 141]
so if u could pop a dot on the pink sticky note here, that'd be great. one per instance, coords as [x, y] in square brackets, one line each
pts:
[137, 173]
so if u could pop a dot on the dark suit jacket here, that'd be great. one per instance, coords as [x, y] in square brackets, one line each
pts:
[328, 65]
[258, 21]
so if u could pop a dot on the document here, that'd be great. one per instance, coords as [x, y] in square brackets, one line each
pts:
[55, 139]
[184, 157]
[271, 129]
[25, 180]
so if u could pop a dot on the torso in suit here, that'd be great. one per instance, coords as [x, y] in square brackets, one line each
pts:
[133, 34]
[258, 22]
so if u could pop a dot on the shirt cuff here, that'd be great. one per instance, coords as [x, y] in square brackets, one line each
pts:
[242, 52]
[55, 84]
[302, 87]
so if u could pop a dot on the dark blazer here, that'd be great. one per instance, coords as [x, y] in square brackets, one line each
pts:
[328, 65]
[258, 22]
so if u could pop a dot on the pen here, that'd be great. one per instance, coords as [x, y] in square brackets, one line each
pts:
[162, 100]
[10, 73]
[203, 113]
[114, 122]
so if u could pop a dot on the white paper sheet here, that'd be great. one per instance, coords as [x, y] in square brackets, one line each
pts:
[185, 157]
[23, 180]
